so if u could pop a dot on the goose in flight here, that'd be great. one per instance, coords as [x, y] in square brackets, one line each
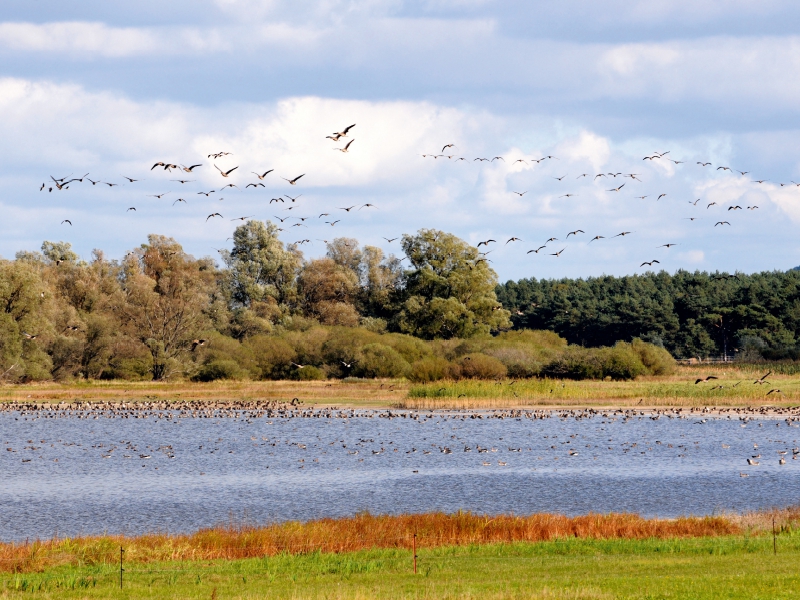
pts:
[390, 240]
[498, 158]
[576, 232]
[660, 197]
[752, 207]
[367, 205]
[649, 264]
[254, 185]
[559, 178]
[179, 200]
[537, 250]
[196, 343]
[281, 220]
[242, 218]
[332, 223]
[130, 179]
[616, 189]
[348, 209]
[219, 155]
[344, 133]
[513, 239]
[292, 199]
[346, 148]
[206, 194]
[724, 168]
[486, 243]
[276, 200]
[599, 175]
[264, 175]
[230, 185]
[225, 173]
[552, 239]
[190, 168]
[132, 208]
[293, 181]
[568, 195]
[737, 207]
[667, 246]
[597, 237]
[179, 180]
[214, 215]
[294, 364]
[704, 164]
[446, 146]
[159, 196]
[623, 234]
[158, 164]
[66, 221]
[522, 160]
[702, 380]
[710, 205]
[722, 223]
[520, 194]
[557, 254]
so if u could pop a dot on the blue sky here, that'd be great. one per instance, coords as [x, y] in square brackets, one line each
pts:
[111, 88]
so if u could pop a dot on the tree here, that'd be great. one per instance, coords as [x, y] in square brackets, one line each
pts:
[259, 267]
[167, 292]
[327, 292]
[449, 290]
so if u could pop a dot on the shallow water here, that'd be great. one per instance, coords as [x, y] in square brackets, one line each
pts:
[69, 476]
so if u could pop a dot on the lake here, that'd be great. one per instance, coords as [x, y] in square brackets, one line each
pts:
[134, 472]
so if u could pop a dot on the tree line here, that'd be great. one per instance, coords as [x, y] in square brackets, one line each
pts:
[691, 314]
[161, 312]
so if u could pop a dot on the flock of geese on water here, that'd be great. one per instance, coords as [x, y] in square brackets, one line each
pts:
[251, 411]
[291, 220]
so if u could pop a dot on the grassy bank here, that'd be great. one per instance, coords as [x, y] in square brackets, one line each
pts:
[734, 387]
[721, 567]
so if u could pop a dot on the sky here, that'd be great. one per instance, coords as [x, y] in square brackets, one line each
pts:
[110, 88]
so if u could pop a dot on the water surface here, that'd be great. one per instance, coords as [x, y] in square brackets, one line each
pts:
[176, 473]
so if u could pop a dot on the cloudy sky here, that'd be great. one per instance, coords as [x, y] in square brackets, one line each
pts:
[109, 88]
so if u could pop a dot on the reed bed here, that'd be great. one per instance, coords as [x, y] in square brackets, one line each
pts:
[737, 389]
[361, 532]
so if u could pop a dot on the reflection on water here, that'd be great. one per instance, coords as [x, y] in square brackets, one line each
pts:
[68, 476]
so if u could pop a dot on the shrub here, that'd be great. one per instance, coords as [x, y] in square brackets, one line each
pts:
[429, 369]
[520, 361]
[272, 355]
[481, 366]
[657, 360]
[309, 373]
[379, 360]
[219, 368]
[575, 363]
[621, 362]
[410, 348]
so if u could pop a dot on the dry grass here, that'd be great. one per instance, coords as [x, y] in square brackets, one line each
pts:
[355, 393]
[361, 532]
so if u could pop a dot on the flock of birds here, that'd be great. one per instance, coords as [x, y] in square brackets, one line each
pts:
[614, 189]
[252, 411]
[227, 173]
[288, 220]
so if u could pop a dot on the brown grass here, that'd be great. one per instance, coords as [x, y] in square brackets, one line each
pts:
[361, 532]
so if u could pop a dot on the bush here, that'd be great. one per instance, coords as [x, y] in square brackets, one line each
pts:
[309, 373]
[219, 368]
[379, 360]
[273, 356]
[432, 368]
[657, 360]
[521, 362]
[410, 348]
[621, 362]
[575, 363]
[481, 366]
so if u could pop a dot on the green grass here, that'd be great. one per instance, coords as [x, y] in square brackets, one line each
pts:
[727, 567]
[679, 390]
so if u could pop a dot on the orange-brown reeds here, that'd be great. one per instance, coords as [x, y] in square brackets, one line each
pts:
[363, 531]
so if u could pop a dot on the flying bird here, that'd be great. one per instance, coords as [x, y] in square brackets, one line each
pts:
[616, 189]
[225, 173]
[623, 234]
[704, 164]
[446, 146]
[66, 221]
[557, 254]
[710, 205]
[709, 378]
[214, 215]
[597, 237]
[191, 168]
[537, 250]
[254, 185]
[485, 243]
[179, 200]
[649, 263]
[293, 181]
[130, 180]
[264, 174]
[242, 218]
[348, 209]
[342, 134]
[576, 232]
[660, 197]
[520, 194]
[346, 148]
[667, 246]
[513, 239]
[722, 223]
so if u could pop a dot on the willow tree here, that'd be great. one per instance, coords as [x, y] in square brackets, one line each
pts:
[449, 289]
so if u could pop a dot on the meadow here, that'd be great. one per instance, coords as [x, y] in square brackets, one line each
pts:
[590, 557]
[734, 387]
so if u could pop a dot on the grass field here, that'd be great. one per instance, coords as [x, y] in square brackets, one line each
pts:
[725, 567]
[733, 388]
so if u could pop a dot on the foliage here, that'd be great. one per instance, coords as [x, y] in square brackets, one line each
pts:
[690, 314]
